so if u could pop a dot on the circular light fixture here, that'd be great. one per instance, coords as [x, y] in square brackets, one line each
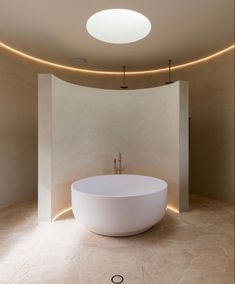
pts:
[118, 26]
[78, 60]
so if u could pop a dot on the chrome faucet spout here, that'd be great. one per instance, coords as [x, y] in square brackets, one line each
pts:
[120, 168]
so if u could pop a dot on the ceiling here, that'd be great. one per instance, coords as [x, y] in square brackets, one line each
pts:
[55, 30]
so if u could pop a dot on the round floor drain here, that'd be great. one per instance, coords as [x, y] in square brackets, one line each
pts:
[117, 279]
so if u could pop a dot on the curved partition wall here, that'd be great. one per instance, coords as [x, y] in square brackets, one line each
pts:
[81, 131]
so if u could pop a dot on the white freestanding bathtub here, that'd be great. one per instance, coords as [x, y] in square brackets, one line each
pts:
[119, 205]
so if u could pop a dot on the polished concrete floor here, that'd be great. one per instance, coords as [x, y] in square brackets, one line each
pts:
[196, 247]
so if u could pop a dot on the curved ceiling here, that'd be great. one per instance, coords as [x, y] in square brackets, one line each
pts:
[55, 30]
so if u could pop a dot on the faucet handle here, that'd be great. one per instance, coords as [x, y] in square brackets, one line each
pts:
[115, 165]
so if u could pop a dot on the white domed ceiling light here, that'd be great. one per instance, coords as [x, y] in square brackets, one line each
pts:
[118, 26]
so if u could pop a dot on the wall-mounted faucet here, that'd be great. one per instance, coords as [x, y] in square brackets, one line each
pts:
[120, 168]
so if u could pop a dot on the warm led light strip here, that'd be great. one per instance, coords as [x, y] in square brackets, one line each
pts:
[70, 208]
[173, 209]
[112, 72]
[62, 213]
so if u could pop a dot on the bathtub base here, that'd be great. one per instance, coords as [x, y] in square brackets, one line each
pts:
[121, 234]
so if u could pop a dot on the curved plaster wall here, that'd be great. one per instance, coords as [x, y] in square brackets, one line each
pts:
[211, 106]
[81, 131]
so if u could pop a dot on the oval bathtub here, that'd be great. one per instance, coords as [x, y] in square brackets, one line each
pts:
[119, 205]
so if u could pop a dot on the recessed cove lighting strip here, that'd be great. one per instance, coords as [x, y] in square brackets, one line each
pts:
[62, 213]
[97, 72]
[173, 209]
[70, 208]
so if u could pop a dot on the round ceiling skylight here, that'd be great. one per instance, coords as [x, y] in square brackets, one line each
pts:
[118, 26]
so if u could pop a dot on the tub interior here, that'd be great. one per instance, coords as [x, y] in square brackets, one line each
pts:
[119, 185]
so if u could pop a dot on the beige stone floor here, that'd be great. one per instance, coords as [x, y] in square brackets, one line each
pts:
[196, 247]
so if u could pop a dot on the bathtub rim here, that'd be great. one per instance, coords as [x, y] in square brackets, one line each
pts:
[163, 189]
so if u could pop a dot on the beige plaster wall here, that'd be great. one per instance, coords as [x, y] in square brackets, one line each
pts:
[211, 106]
[18, 130]
[81, 131]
